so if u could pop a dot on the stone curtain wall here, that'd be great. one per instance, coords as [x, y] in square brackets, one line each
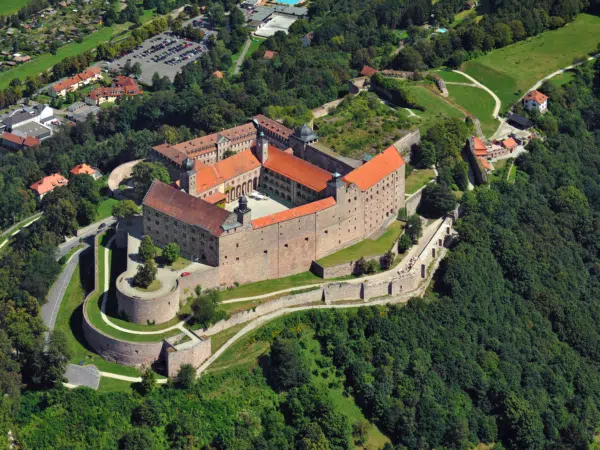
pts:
[405, 144]
[149, 310]
[196, 355]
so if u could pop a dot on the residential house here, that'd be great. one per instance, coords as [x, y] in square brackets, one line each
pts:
[509, 144]
[368, 71]
[84, 169]
[73, 83]
[48, 184]
[536, 100]
[122, 86]
[269, 54]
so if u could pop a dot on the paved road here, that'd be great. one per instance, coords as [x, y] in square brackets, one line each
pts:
[240, 60]
[10, 233]
[74, 241]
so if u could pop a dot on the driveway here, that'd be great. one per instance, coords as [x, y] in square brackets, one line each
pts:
[74, 241]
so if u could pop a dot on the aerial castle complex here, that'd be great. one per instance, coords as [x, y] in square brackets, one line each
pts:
[333, 201]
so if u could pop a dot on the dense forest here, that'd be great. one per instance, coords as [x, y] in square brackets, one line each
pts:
[503, 349]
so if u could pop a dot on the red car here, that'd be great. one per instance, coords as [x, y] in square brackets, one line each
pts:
[186, 274]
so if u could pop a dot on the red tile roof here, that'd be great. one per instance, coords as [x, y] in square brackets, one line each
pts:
[297, 169]
[186, 208]
[171, 153]
[85, 75]
[484, 163]
[479, 146]
[83, 169]
[273, 126]
[215, 198]
[49, 183]
[368, 71]
[232, 167]
[509, 143]
[269, 54]
[536, 96]
[294, 213]
[217, 74]
[27, 141]
[376, 169]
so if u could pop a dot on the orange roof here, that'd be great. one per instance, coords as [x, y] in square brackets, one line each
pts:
[85, 75]
[234, 166]
[294, 213]
[274, 126]
[479, 146]
[27, 141]
[368, 71]
[485, 163]
[536, 96]
[49, 183]
[217, 74]
[269, 54]
[376, 169]
[509, 143]
[215, 198]
[297, 169]
[83, 169]
[170, 152]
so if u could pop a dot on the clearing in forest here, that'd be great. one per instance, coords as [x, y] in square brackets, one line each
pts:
[512, 70]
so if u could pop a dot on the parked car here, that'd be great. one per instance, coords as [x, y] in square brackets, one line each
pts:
[185, 274]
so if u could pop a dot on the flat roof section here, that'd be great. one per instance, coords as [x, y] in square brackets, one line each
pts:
[262, 208]
[277, 22]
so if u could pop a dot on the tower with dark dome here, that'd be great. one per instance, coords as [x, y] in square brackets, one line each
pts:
[301, 138]
[188, 177]
[242, 211]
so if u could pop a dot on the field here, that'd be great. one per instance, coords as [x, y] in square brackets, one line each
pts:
[478, 102]
[46, 61]
[511, 71]
[366, 248]
[12, 6]
[417, 179]
[105, 208]
[435, 108]
[562, 78]
[449, 75]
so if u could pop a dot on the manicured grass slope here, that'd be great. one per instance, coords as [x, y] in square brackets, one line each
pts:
[478, 102]
[435, 108]
[512, 70]
[268, 286]
[417, 179]
[366, 248]
[8, 7]
[449, 75]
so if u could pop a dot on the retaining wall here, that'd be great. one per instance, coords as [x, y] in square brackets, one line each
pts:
[265, 308]
[405, 144]
[412, 203]
[148, 310]
[180, 355]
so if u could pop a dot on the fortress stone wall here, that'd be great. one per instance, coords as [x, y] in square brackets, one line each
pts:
[147, 311]
[178, 355]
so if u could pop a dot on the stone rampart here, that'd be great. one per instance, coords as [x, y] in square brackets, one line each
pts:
[148, 311]
[412, 203]
[208, 279]
[333, 292]
[405, 144]
[178, 355]
[287, 301]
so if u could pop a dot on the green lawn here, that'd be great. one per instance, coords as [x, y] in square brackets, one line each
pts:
[268, 286]
[512, 70]
[435, 107]
[114, 385]
[462, 16]
[478, 102]
[105, 208]
[365, 248]
[417, 179]
[254, 45]
[44, 62]
[152, 287]
[69, 320]
[94, 314]
[219, 339]
[449, 75]
[12, 6]
[562, 78]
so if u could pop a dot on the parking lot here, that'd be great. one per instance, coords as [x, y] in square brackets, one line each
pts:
[165, 54]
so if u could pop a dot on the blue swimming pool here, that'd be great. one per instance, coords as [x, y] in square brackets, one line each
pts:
[289, 2]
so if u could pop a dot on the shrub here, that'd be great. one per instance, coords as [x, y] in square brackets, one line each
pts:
[171, 252]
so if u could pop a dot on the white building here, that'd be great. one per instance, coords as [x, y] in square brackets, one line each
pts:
[536, 100]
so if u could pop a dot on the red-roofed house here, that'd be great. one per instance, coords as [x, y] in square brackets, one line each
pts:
[269, 54]
[217, 74]
[84, 169]
[73, 83]
[13, 142]
[536, 100]
[368, 71]
[48, 184]
[509, 144]
[479, 147]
